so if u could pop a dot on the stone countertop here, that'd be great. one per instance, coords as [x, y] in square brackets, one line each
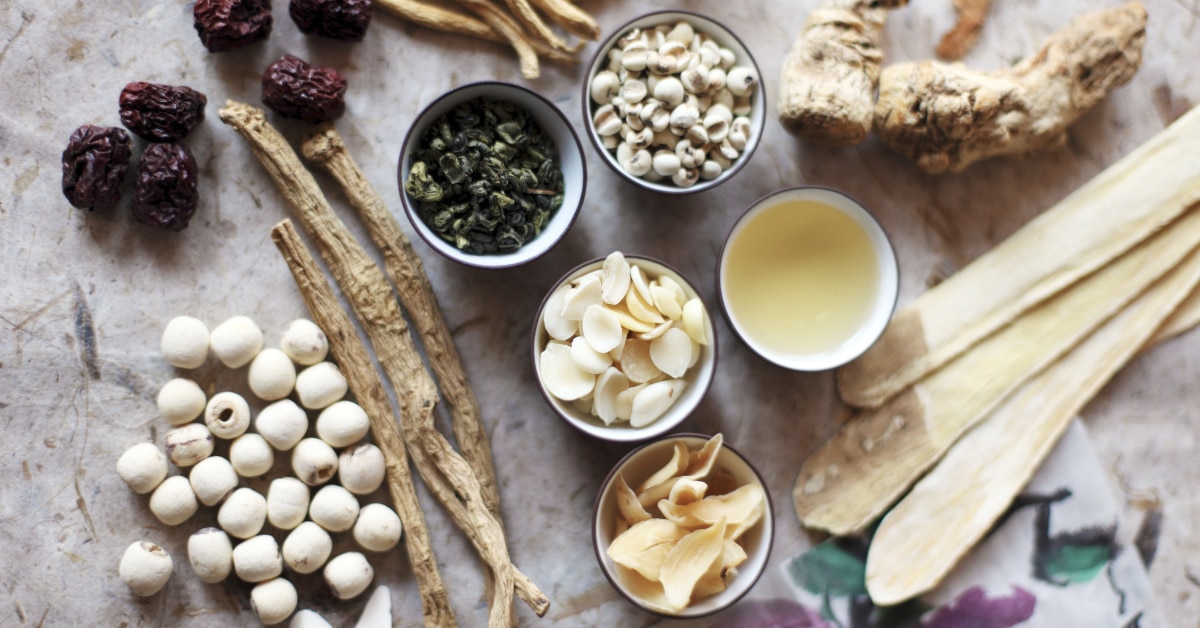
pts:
[84, 295]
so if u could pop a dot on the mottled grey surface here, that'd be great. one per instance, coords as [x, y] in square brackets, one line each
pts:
[84, 296]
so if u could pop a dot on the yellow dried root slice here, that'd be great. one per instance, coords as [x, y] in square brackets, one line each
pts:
[614, 278]
[685, 491]
[733, 508]
[578, 299]
[671, 352]
[628, 504]
[646, 546]
[688, 561]
[561, 376]
[695, 321]
[558, 327]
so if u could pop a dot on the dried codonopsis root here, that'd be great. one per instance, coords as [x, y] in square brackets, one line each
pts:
[827, 91]
[946, 117]
[958, 40]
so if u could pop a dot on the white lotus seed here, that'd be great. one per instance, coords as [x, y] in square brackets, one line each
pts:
[257, 559]
[272, 375]
[189, 444]
[342, 424]
[348, 575]
[287, 502]
[173, 502]
[251, 455]
[333, 508]
[143, 467]
[361, 469]
[236, 341]
[305, 618]
[211, 554]
[320, 385]
[666, 163]
[227, 415]
[212, 480]
[185, 342]
[273, 601]
[307, 548]
[604, 86]
[282, 423]
[145, 568]
[314, 462]
[378, 528]
[243, 513]
[180, 401]
[740, 80]
[304, 342]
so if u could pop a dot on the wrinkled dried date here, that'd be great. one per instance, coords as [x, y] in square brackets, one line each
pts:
[161, 113]
[94, 166]
[346, 20]
[229, 24]
[297, 89]
[165, 194]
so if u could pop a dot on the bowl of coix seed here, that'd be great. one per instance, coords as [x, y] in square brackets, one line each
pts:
[673, 102]
[491, 175]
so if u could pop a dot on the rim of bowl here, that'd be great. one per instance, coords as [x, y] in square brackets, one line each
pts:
[625, 434]
[471, 259]
[828, 363]
[768, 525]
[610, 160]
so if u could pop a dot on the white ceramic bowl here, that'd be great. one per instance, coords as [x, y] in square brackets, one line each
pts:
[571, 162]
[882, 305]
[698, 377]
[722, 36]
[638, 465]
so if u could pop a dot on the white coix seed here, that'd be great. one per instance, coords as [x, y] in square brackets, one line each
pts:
[604, 86]
[682, 33]
[609, 142]
[173, 502]
[180, 401]
[236, 341]
[361, 469]
[304, 342]
[333, 508]
[348, 575]
[710, 170]
[669, 91]
[320, 385]
[741, 80]
[307, 548]
[251, 455]
[378, 528]
[313, 461]
[695, 80]
[227, 415]
[185, 342]
[189, 444]
[606, 121]
[273, 601]
[639, 164]
[666, 163]
[685, 177]
[145, 568]
[211, 554]
[287, 502]
[282, 424]
[143, 467]
[257, 559]
[212, 480]
[728, 58]
[633, 91]
[243, 513]
[683, 118]
[272, 375]
[637, 140]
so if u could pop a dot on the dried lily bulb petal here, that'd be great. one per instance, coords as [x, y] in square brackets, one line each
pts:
[577, 300]
[721, 482]
[636, 362]
[561, 377]
[624, 405]
[602, 328]
[674, 467]
[695, 321]
[641, 308]
[628, 504]
[609, 386]
[629, 321]
[654, 493]
[665, 301]
[645, 546]
[671, 352]
[733, 508]
[654, 401]
[688, 561]
[558, 327]
[722, 571]
[637, 277]
[686, 491]
[735, 531]
[700, 463]
[588, 359]
[649, 592]
[614, 278]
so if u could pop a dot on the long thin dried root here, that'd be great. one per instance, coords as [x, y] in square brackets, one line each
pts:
[577, 21]
[510, 30]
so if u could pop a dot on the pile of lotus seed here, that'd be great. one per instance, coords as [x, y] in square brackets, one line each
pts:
[673, 104]
[289, 506]
[621, 342]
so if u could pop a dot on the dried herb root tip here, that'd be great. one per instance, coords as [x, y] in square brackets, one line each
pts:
[229, 24]
[94, 166]
[295, 88]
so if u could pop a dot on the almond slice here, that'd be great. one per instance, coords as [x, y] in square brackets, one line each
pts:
[642, 308]
[561, 377]
[558, 327]
[629, 321]
[671, 352]
[654, 401]
[695, 321]
[601, 328]
[664, 300]
[636, 362]
[587, 358]
[624, 405]
[614, 278]
[576, 301]
[609, 386]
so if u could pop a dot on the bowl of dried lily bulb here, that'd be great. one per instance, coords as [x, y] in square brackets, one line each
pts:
[683, 526]
[623, 348]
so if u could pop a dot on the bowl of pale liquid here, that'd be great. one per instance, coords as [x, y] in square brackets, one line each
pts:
[808, 279]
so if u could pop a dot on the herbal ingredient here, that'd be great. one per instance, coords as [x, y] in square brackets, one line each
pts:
[968, 25]
[679, 533]
[145, 568]
[161, 113]
[485, 177]
[165, 194]
[346, 20]
[229, 24]
[621, 342]
[673, 105]
[295, 88]
[94, 166]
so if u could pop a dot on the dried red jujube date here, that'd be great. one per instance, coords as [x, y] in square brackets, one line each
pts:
[165, 194]
[297, 89]
[229, 24]
[94, 166]
[161, 113]
[346, 20]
